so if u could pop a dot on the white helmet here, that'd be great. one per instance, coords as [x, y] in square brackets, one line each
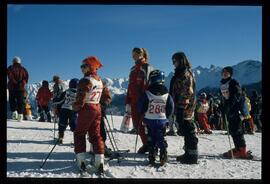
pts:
[16, 59]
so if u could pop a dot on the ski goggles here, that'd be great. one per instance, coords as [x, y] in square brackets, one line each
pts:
[84, 65]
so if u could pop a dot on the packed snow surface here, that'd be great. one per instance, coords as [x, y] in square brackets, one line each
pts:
[29, 143]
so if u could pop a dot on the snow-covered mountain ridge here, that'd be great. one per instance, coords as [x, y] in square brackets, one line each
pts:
[249, 71]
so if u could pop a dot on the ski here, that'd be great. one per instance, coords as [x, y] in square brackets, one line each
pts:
[220, 156]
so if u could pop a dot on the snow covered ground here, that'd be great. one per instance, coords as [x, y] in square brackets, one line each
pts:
[29, 142]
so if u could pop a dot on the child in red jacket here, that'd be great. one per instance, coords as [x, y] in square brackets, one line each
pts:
[44, 95]
[87, 104]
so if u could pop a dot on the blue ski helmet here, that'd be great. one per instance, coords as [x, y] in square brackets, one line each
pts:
[156, 77]
[73, 83]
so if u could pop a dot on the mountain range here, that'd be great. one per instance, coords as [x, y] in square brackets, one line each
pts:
[246, 72]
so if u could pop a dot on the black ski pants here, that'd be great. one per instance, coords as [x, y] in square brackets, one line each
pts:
[236, 130]
[67, 117]
[46, 110]
[16, 101]
[187, 129]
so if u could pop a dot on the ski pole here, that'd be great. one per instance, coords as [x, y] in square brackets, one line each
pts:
[49, 153]
[109, 137]
[226, 124]
[111, 132]
[112, 119]
[136, 141]
[111, 116]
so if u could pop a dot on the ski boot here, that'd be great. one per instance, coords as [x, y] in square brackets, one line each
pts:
[98, 166]
[20, 117]
[163, 157]
[152, 155]
[81, 161]
[238, 153]
[15, 115]
[60, 137]
[107, 152]
[189, 157]
[143, 149]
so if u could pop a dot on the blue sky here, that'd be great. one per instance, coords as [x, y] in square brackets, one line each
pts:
[54, 39]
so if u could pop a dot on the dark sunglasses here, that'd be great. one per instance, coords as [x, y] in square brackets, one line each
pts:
[83, 65]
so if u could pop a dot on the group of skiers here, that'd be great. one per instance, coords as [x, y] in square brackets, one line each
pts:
[149, 103]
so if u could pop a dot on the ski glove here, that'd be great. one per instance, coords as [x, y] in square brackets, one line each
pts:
[128, 109]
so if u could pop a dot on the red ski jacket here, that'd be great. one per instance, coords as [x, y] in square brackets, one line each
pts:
[17, 76]
[138, 81]
[44, 95]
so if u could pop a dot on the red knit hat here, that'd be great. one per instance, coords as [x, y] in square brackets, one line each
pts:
[92, 61]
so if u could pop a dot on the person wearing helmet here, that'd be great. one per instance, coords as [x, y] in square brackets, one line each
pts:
[87, 104]
[138, 83]
[17, 79]
[157, 105]
[43, 97]
[67, 116]
[202, 108]
[183, 93]
[233, 108]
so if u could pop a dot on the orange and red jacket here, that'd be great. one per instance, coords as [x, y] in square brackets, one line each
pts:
[17, 77]
[138, 81]
[44, 95]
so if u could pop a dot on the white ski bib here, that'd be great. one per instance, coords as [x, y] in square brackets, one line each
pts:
[156, 106]
[224, 88]
[69, 99]
[94, 94]
[203, 108]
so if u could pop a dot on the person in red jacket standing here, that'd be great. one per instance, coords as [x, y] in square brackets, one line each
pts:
[138, 83]
[44, 95]
[87, 104]
[17, 79]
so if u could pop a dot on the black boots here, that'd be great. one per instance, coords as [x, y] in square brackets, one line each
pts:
[60, 137]
[152, 155]
[107, 152]
[189, 157]
[163, 157]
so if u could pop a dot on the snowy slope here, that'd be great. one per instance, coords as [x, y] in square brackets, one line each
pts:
[30, 142]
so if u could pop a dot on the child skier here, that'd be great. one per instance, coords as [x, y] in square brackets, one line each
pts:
[67, 115]
[157, 105]
[202, 109]
[248, 123]
[87, 104]
[44, 95]
[233, 107]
